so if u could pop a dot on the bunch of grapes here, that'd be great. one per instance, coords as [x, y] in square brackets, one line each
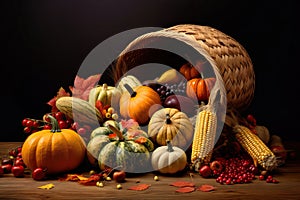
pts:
[164, 92]
[177, 88]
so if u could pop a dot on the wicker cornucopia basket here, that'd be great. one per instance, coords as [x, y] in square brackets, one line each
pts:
[231, 59]
[225, 59]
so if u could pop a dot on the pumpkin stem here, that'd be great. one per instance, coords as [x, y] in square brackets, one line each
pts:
[170, 147]
[130, 90]
[116, 131]
[168, 120]
[202, 75]
[104, 86]
[54, 124]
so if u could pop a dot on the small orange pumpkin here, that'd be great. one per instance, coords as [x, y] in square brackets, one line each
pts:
[200, 88]
[54, 150]
[139, 104]
[189, 71]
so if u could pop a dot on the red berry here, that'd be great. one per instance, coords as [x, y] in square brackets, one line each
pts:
[75, 126]
[6, 168]
[228, 181]
[35, 124]
[19, 162]
[261, 177]
[269, 180]
[270, 177]
[1, 171]
[59, 116]
[29, 123]
[27, 130]
[47, 126]
[24, 122]
[69, 122]
[62, 124]
[81, 131]
[275, 181]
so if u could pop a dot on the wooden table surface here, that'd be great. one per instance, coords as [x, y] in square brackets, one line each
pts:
[26, 188]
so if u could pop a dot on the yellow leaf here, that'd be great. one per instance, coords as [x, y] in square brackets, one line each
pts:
[47, 186]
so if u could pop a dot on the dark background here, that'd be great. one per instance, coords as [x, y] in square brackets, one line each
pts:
[44, 42]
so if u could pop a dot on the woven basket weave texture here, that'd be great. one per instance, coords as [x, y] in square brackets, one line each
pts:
[231, 58]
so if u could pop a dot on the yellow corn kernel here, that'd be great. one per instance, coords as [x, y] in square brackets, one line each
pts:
[204, 136]
[255, 147]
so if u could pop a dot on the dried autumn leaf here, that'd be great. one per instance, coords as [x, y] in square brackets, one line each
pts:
[182, 184]
[185, 189]
[130, 124]
[47, 186]
[82, 87]
[73, 177]
[139, 187]
[61, 93]
[206, 188]
[91, 181]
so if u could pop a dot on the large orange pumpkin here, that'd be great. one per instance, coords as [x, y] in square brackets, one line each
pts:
[54, 150]
[139, 104]
[200, 88]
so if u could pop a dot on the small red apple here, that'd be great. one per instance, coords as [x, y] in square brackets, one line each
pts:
[39, 174]
[119, 176]
[18, 171]
[216, 165]
[205, 171]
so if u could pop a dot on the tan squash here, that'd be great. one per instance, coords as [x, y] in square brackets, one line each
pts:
[173, 125]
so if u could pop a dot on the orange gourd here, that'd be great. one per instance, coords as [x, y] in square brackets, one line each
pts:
[54, 150]
[200, 88]
[189, 71]
[139, 104]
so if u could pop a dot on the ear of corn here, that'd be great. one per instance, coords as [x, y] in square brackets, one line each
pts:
[204, 136]
[255, 147]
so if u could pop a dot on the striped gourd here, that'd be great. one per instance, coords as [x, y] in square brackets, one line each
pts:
[79, 110]
[204, 136]
[130, 80]
[255, 147]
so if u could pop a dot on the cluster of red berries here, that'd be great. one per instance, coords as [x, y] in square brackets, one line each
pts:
[237, 171]
[268, 178]
[34, 125]
[13, 163]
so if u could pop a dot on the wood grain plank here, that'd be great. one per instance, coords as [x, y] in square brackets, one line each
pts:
[26, 188]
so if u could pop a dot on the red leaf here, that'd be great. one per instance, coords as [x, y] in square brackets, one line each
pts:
[182, 184]
[139, 187]
[185, 189]
[82, 87]
[60, 93]
[130, 124]
[206, 188]
[91, 181]
[141, 140]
